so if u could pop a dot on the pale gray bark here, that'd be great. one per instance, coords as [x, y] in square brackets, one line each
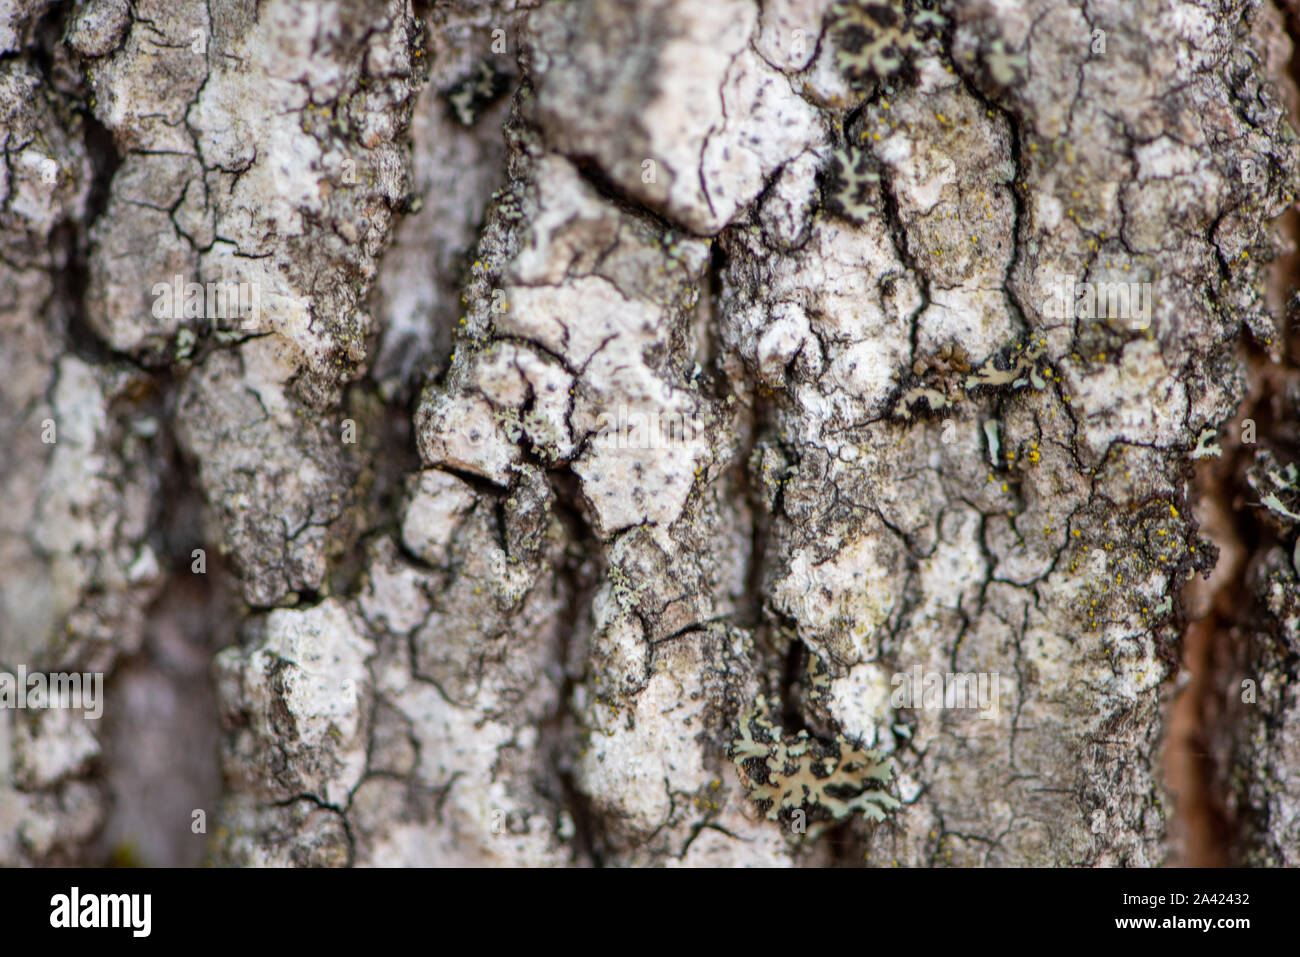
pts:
[459, 621]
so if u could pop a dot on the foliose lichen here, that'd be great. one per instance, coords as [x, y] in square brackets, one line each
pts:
[853, 186]
[1278, 488]
[826, 781]
[878, 40]
[472, 94]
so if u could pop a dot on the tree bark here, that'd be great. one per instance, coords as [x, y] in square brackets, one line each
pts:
[635, 402]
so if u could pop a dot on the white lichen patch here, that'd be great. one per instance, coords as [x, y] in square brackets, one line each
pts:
[632, 767]
[301, 693]
[859, 702]
[1136, 396]
[699, 166]
[463, 432]
[842, 601]
[438, 501]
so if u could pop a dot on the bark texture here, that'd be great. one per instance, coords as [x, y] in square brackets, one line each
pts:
[636, 391]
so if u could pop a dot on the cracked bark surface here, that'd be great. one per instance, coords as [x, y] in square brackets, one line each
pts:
[455, 616]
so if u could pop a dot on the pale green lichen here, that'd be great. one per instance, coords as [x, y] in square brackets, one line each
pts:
[801, 775]
[933, 397]
[943, 378]
[1006, 68]
[508, 419]
[880, 38]
[1274, 504]
[1018, 376]
[819, 679]
[1278, 487]
[627, 594]
[471, 95]
[1206, 447]
[853, 186]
